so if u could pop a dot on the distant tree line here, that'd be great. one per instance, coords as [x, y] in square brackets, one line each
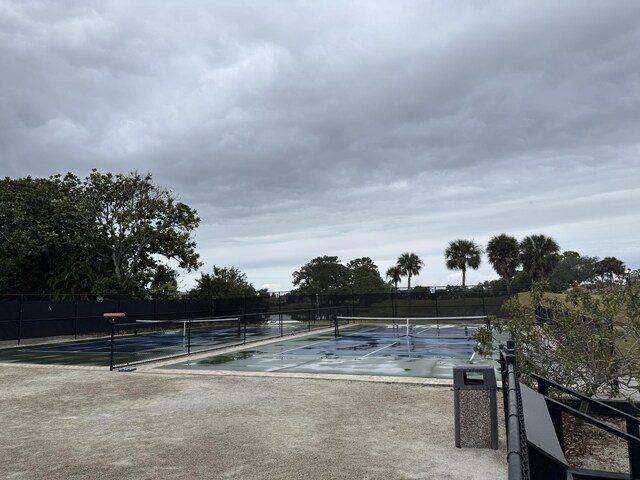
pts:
[536, 258]
[116, 233]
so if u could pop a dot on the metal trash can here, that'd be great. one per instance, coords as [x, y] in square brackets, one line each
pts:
[475, 406]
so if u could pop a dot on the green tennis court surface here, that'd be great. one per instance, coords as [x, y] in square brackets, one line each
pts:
[423, 351]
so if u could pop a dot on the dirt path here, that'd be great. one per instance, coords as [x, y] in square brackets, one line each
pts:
[72, 423]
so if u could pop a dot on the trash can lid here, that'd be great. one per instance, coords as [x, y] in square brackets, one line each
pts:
[474, 377]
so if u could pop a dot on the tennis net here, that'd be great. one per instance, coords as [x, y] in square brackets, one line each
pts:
[191, 328]
[445, 327]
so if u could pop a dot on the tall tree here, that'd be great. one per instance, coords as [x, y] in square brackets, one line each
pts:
[503, 252]
[42, 250]
[572, 270]
[103, 234]
[608, 267]
[136, 221]
[395, 275]
[223, 282]
[462, 254]
[539, 255]
[363, 274]
[322, 274]
[410, 264]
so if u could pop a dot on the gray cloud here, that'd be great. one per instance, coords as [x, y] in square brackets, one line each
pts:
[349, 128]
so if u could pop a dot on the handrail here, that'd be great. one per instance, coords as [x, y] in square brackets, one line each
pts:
[597, 423]
[545, 391]
[517, 453]
[632, 435]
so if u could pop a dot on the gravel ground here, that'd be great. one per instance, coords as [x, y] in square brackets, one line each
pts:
[88, 423]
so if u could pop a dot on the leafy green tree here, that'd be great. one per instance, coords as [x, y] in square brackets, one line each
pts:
[364, 275]
[103, 234]
[521, 282]
[322, 274]
[394, 274]
[462, 254]
[588, 342]
[503, 252]
[410, 264]
[571, 270]
[539, 255]
[41, 248]
[164, 283]
[608, 267]
[137, 221]
[223, 282]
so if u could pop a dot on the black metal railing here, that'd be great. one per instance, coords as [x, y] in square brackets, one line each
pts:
[557, 408]
[517, 450]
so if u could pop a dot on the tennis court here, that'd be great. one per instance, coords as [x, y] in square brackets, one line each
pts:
[414, 347]
[140, 341]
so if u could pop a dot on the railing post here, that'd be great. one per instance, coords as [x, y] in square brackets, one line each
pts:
[556, 418]
[543, 387]
[634, 449]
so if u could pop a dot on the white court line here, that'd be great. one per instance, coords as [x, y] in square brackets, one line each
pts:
[304, 346]
[376, 351]
[360, 332]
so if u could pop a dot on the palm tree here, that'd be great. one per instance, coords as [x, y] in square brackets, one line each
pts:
[461, 254]
[395, 274]
[504, 254]
[409, 265]
[539, 255]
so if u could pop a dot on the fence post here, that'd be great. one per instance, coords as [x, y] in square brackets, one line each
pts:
[280, 315]
[188, 337]
[21, 300]
[435, 294]
[75, 319]
[484, 307]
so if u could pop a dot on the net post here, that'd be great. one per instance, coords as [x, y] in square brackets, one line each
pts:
[112, 317]
[111, 348]
[407, 326]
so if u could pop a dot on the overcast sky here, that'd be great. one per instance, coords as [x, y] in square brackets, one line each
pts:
[351, 128]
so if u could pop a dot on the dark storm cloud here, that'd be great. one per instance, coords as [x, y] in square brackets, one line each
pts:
[353, 128]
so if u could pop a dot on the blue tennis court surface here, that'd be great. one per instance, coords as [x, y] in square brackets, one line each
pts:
[138, 343]
[422, 351]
